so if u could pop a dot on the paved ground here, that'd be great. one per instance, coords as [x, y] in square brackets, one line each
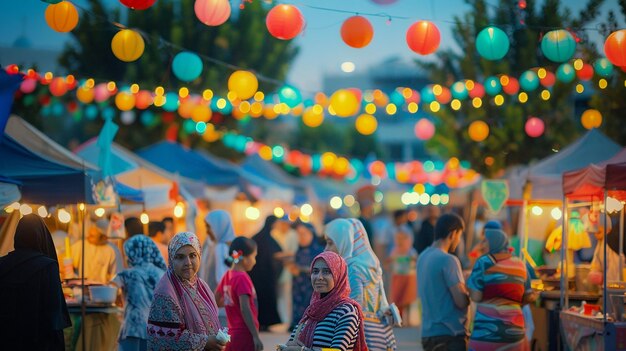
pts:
[407, 339]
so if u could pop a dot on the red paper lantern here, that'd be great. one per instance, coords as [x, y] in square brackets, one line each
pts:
[445, 96]
[615, 47]
[138, 4]
[585, 73]
[423, 37]
[378, 168]
[548, 80]
[212, 12]
[513, 87]
[58, 87]
[284, 22]
[478, 91]
[143, 99]
[357, 32]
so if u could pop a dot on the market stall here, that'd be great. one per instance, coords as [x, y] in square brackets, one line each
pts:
[604, 184]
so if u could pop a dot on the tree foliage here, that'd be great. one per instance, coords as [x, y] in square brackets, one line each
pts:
[508, 144]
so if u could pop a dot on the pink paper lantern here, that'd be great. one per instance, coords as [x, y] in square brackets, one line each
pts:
[28, 85]
[212, 12]
[534, 127]
[101, 93]
[424, 129]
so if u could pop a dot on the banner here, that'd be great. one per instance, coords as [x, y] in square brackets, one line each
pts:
[495, 193]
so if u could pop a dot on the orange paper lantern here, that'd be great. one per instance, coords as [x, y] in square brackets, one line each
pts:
[615, 47]
[143, 99]
[127, 45]
[284, 22]
[212, 12]
[423, 37]
[58, 86]
[478, 131]
[62, 17]
[357, 32]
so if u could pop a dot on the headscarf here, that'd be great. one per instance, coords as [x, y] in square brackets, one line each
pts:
[320, 306]
[32, 234]
[172, 286]
[221, 225]
[498, 241]
[493, 224]
[341, 231]
[141, 250]
[362, 253]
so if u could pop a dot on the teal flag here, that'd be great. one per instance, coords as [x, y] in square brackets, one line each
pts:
[495, 193]
[105, 139]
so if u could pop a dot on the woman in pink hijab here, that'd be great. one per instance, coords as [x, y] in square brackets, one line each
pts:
[183, 314]
[332, 320]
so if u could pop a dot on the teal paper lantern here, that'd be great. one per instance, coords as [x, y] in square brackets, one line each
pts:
[529, 81]
[492, 43]
[459, 91]
[316, 163]
[91, 112]
[427, 94]
[565, 73]
[493, 86]
[603, 67]
[396, 98]
[200, 127]
[558, 45]
[187, 66]
[290, 96]
[147, 118]
[189, 126]
[171, 102]
[108, 113]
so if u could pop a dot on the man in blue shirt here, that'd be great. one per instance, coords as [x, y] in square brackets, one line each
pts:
[441, 288]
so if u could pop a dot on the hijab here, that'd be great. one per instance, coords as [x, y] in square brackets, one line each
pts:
[141, 250]
[221, 225]
[341, 232]
[33, 235]
[498, 241]
[181, 292]
[320, 306]
[212, 268]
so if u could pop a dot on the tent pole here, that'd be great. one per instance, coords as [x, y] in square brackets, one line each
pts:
[564, 258]
[621, 243]
[83, 305]
[605, 263]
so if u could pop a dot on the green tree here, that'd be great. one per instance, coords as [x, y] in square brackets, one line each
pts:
[168, 27]
[508, 144]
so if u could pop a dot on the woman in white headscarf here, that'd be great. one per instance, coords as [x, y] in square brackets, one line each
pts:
[348, 238]
[220, 234]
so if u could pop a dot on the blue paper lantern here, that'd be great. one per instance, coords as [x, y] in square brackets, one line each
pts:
[147, 118]
[427, 94]
[91, 112]
[558, 45]
[529, 81]
[603, 67]
[459, 91]
[565, 73]
[289, 95]
[171, 102]
[492, 43]
[187, 66]
[493, 86]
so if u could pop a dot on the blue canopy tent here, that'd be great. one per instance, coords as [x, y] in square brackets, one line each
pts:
[9, 191]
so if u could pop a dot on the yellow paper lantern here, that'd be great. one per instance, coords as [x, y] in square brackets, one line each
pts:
[344, 103]
[85, 95]
[201, 113]
[62, 17]
[313, 116]
[328, 160]
[341, 166]
[478, 131]
[243, 83]
[269, 112]
[591, 119]
[127, 45]
[366, 124]
[124, 101]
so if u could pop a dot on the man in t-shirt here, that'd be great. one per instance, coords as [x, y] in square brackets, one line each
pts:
[442, 290]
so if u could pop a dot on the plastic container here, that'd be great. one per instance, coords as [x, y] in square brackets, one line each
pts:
[591, 309]
[103, 294]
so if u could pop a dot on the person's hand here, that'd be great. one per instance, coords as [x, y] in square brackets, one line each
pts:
[213, 344]
[258, 345]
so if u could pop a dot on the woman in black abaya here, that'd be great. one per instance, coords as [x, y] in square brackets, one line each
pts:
[33, 312]
[265, 274]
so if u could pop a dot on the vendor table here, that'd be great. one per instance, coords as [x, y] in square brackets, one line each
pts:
[587, 333]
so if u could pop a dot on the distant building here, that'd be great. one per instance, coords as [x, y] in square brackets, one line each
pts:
[395, 133]
[23, 54]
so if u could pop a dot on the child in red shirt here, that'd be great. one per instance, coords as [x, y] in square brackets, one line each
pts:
[236, 293]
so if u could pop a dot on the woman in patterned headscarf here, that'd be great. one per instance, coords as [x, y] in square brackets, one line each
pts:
[183, 315]
[146, 267]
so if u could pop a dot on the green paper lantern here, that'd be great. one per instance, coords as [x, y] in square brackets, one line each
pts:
[603, 67]
[492, 43]
[529, 81]
[558, 45]
[565, 73]
[493, 86]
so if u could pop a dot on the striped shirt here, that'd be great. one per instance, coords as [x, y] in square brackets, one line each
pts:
[338, 330]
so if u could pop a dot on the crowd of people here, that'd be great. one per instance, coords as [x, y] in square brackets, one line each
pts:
[329, 288]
